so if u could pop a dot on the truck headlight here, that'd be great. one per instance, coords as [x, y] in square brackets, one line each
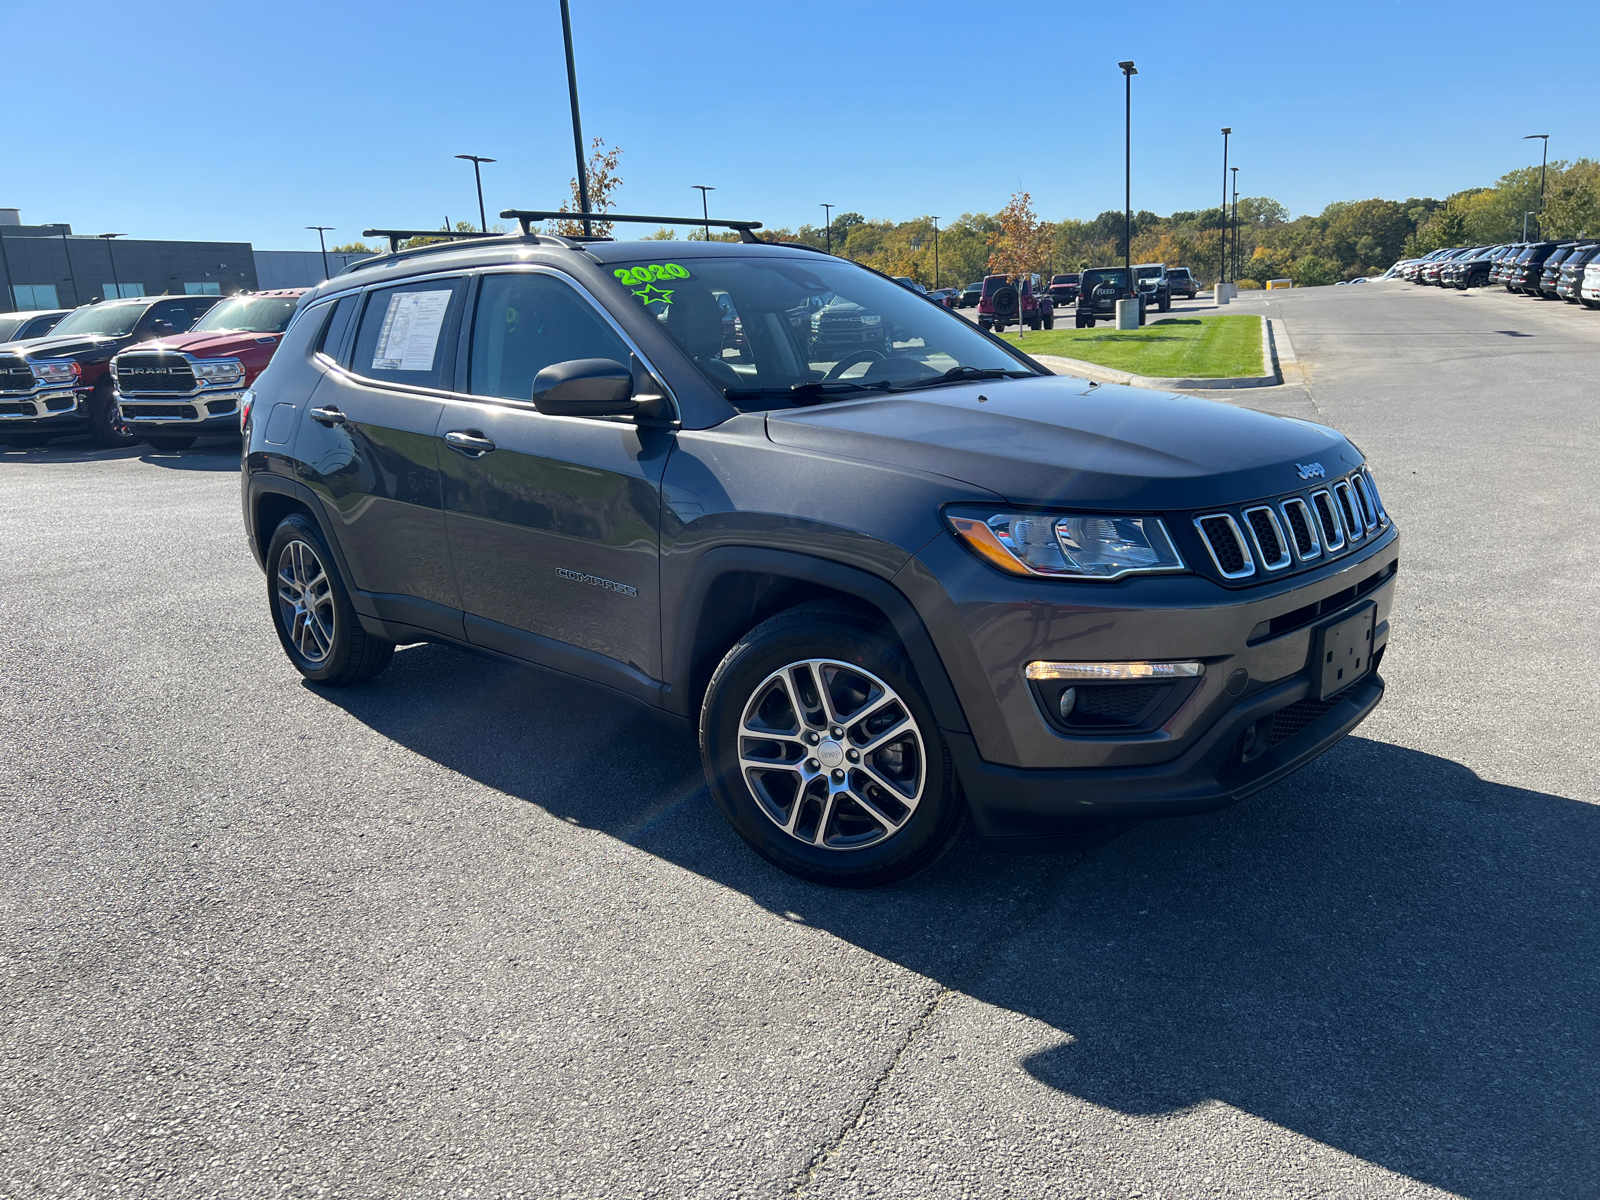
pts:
[1068, 547]
[871, 319]
[62, 371]
[221, 370]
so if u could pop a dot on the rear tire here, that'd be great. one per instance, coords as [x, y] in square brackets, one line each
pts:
[161, 441]
[106, 426]
[805, 691]
[1049, 322]
[311, 609]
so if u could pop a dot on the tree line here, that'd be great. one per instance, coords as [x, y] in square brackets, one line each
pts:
[1348, 239]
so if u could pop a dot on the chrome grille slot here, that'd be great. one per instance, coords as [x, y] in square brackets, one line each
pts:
[1302, 529]
[1377, 501]
[1358, 489]
[1347, 509]
[1328, 520]
[1269, 538]
[1226, 544]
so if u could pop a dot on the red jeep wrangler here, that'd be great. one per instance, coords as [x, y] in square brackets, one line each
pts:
[173, 390]
[1026, 302]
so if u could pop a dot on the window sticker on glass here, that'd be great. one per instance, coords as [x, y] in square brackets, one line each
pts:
[410, 332]
[645, 282]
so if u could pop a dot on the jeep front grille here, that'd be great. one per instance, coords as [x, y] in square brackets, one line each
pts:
[154, 373]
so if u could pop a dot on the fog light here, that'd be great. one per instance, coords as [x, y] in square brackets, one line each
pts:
[1068, 699]
[1114, 670]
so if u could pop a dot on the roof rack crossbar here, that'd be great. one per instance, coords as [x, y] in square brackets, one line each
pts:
[527, 217]
[396, 236]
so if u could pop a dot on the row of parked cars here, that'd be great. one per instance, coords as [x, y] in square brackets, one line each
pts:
[1553, 270]
[160, 369]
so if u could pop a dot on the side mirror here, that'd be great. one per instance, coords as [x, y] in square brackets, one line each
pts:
[585, 387]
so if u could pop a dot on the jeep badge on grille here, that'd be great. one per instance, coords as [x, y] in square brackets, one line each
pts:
[1310, 470]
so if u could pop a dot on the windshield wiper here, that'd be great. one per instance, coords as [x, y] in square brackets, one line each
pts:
[987, 373]
[804, 392]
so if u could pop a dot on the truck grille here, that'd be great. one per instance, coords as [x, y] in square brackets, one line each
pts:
[171, 412]
[16, 409]
[1275, 535]
[15, 375]
[154, 373]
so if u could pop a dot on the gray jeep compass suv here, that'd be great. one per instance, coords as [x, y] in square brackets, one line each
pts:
[887, 586]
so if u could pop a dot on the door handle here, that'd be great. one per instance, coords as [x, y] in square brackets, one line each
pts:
[469, 441]
[328, 416]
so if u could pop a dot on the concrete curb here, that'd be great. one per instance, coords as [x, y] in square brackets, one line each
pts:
[1088, 370]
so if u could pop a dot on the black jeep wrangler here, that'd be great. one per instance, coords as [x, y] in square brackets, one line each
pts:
[886, 589]
[1098, 292]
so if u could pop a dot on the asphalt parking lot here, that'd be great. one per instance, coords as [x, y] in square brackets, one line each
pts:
[469, 931]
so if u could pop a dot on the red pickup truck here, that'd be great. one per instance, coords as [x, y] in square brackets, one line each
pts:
[173, 390]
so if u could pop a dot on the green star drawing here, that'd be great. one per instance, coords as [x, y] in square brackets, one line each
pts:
[651, 294]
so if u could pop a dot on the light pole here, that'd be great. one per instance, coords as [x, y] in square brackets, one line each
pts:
[477, 174]
[1235, 223]
[115, 282]
[1543, 162]
[827, 223]
[705, 209]
[323, 242]
[1128, 72]
[1222, 265]
[936, 254]
[577, 123]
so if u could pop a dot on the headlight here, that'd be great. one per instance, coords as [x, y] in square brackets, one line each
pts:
[56, 372]
[221, 370]
[1068, 547]
[871, 319]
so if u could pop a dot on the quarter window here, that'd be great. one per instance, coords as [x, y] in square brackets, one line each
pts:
[331, 340]
[525, 323]
[406, 333]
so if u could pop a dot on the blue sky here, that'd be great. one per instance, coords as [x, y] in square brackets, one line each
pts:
[234, 121]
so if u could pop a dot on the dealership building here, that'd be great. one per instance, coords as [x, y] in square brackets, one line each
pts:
[49, 266]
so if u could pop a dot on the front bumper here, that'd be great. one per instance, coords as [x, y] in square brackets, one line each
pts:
[1027, 776]
[201, 413]
[46, 409]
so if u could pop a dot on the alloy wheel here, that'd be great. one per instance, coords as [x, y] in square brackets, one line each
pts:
[305, 600]
[832, 755]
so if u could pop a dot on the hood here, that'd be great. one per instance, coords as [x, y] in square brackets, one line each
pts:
[223, 343]
[67, 346]
[1062, 441]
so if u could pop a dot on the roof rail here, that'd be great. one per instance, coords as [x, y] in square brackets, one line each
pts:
[527, 217]
[396, 236]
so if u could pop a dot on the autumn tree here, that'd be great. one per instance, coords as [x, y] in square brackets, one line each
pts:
[603, 184]
[1021, 245]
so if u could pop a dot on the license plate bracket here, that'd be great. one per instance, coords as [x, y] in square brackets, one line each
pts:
[1344, 651]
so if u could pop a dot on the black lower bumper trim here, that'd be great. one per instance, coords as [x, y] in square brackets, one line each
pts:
[1014, 802]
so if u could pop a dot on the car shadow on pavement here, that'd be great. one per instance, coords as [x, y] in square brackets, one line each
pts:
[1384, 953]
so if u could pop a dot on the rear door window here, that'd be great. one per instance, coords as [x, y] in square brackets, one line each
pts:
[407, 333]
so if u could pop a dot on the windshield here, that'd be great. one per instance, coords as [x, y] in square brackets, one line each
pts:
[111, 320]
[769, 332]
[249, 314]
[1179, 273]
[1147, 272]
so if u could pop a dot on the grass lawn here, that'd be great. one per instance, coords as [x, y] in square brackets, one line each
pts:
[1178, 347]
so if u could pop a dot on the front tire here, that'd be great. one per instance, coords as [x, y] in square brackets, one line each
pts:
[823, 754]
[311, 609]
[106, 426]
